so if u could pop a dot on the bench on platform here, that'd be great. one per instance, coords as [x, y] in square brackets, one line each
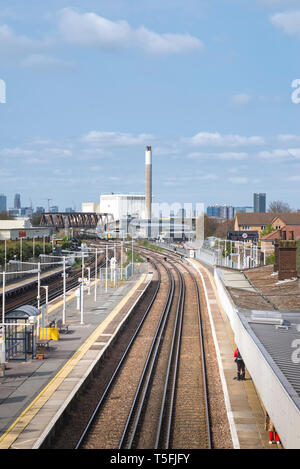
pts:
[63, 328]
[43, 343]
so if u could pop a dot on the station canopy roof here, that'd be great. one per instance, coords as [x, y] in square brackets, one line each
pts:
[23, 312]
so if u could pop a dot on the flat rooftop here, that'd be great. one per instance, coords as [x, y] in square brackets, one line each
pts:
[271, 310]
[283, 295]
[260, 289]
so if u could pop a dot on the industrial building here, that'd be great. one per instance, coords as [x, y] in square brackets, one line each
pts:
[21, 228]
[135, 214]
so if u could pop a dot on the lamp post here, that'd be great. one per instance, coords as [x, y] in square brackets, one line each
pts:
[121, 260]
[46, 289]
[3, 299]
[96, 275]
[106, 268]
[132, 254]
[81, 302]
[89, 280]
[64, 290]
[63, 262]
[39, 285]
[5, 254]
[38, 270]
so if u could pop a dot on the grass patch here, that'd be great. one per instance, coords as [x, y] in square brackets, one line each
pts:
[148, 245]
[136, 258]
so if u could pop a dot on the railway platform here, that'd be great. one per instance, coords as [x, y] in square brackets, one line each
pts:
[34, 394]
[244, 410]
[21, 284]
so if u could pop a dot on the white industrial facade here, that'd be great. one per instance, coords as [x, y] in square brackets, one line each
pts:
[123, 205]
[21, 228]
[90, 207]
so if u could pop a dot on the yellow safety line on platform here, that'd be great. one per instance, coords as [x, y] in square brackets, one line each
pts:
[8, 438]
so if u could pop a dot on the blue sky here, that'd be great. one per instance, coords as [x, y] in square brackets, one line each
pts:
[206, 83]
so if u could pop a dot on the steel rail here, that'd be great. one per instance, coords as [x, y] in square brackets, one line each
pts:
[130, 430]
[163, 434]
[203, 367]
[55, 291]
[204, 372]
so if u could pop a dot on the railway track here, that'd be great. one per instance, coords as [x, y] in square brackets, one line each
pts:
[55, 288]
[157, 395]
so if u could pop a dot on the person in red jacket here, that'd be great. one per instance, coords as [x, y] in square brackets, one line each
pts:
[240, 365]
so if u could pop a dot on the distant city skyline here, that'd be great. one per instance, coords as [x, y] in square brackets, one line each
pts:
[260, 202]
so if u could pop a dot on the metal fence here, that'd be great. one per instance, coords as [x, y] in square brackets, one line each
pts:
[15, 267]
[241, 257]
[115, 275]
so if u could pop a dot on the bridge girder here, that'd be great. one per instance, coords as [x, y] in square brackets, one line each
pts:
[74, 219]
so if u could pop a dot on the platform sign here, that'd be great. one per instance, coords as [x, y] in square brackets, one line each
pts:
[22, 234]
[242, 236]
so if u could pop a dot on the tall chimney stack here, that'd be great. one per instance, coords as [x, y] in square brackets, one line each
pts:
[148, 194]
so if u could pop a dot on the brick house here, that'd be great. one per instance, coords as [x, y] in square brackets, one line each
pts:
[287, 233]
[259, 221]
[253, 221]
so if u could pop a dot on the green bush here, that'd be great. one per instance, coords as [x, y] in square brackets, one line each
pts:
[13, 249]
[270, 259]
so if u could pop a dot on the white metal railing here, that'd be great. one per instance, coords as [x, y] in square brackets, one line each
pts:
[243, 257]
[115, 275]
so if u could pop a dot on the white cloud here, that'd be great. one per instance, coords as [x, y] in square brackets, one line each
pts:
[47, 63]
[280, 153]
[33, 154]
[90, 29]
[288, 138]
[17, 151]
[241, 99]
[217, 139]
[175, 181]
[238, 180]
[116, 138]
[12, 45]
[279, 3]
[289, 21]
[221, 156]
[155, 43]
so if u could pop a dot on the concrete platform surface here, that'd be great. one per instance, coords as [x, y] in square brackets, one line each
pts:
[33, 393]
[245, 413]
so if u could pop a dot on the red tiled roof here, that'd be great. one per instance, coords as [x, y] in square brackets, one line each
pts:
[289, 218]
[286, 229]
[294, 228]
[255, 218]
[265, 218]
[271, 236]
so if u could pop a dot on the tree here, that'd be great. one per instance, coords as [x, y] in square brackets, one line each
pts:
[269, 229]
[223, 228]
[5, 216]
[210, 226]
[277, 206]
[35, 220]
